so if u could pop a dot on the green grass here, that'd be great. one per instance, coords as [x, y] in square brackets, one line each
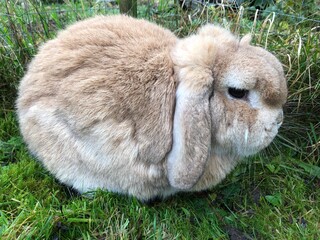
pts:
[274, 198]
[275, 195]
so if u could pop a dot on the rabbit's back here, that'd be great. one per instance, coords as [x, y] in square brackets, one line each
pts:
[108, 79]
[118, 63]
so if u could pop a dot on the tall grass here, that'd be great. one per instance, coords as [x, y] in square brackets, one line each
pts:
[24, 25]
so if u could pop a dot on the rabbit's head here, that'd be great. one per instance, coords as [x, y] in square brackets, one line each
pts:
[230, 94]
[251, 88]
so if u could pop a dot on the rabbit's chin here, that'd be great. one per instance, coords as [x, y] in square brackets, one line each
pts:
[249, 151]
[256, 144]
[244, 144]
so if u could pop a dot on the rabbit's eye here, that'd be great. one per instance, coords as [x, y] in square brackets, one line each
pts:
[238, 93]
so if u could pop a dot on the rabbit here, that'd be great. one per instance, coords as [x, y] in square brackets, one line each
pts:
[124, 105]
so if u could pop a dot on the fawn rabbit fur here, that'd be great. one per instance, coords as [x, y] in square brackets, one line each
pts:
[124, 105]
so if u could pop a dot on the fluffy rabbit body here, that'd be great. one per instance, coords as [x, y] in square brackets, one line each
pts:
[122, 104]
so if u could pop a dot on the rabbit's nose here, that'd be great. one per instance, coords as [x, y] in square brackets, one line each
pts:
[279, 119]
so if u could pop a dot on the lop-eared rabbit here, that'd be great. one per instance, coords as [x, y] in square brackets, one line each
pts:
[124, 105]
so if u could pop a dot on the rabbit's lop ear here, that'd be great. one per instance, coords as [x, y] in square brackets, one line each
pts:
[191, 138]
[246, 40]
[192, 122]
[218, 33]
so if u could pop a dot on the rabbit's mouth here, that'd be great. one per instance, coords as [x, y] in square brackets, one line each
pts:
[243, 139]
[255, 141]
[256, 145]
